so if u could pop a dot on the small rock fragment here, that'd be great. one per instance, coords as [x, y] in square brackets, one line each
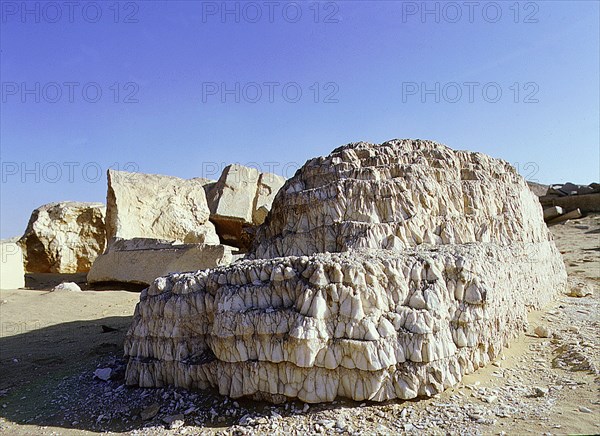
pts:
[542, 332]
[490, 398]
[150, 412]
[174, 421]
[66, 287]
[103, 373]
[580, 290]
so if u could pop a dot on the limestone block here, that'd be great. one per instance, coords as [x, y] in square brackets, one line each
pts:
[232, 197]
[140, 261]
[64, 237]
[552, 212]
[268, 186]
[574, 214]
[12, 274]
[241, 198]
[158, 207]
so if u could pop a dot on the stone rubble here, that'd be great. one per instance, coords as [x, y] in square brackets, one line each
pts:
[570, 197]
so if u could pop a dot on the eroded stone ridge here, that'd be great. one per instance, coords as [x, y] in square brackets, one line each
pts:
[399, 194]
[322, 308]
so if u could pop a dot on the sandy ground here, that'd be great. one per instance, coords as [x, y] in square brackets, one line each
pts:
[51, 343]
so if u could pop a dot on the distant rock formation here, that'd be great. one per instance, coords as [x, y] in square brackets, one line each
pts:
[64, 237]
[537, 188]
[382, 271]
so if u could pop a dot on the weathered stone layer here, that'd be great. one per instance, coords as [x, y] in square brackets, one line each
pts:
[362, 316]
[382, 271]
[399, 194]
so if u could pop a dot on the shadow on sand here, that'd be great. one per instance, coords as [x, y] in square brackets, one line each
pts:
[35, 362]
[47, 380]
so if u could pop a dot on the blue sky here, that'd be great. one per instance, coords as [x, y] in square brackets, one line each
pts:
[184, 87]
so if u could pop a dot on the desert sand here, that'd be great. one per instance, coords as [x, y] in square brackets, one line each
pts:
[52, 342]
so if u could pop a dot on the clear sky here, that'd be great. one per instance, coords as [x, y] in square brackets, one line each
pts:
[184, 87]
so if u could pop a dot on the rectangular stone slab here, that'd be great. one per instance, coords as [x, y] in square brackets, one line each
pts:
[143, 265]
[574, 214]
[12, 274]
[552, 212]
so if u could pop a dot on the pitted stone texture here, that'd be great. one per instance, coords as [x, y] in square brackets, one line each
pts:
[363, 325]
[434, 258]
[64, 237]
[399, 194]
[160, 207]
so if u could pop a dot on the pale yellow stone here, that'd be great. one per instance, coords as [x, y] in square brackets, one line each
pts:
[64, 237]
[12, 274]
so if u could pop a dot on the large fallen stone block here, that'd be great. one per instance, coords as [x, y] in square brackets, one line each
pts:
[64, 237]
[159, 207]
[12, 274]
[241, 198]
[552, 212]
[383, 271]
[574, 214]
[140, 261]
[585, 202]
[232, 197]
